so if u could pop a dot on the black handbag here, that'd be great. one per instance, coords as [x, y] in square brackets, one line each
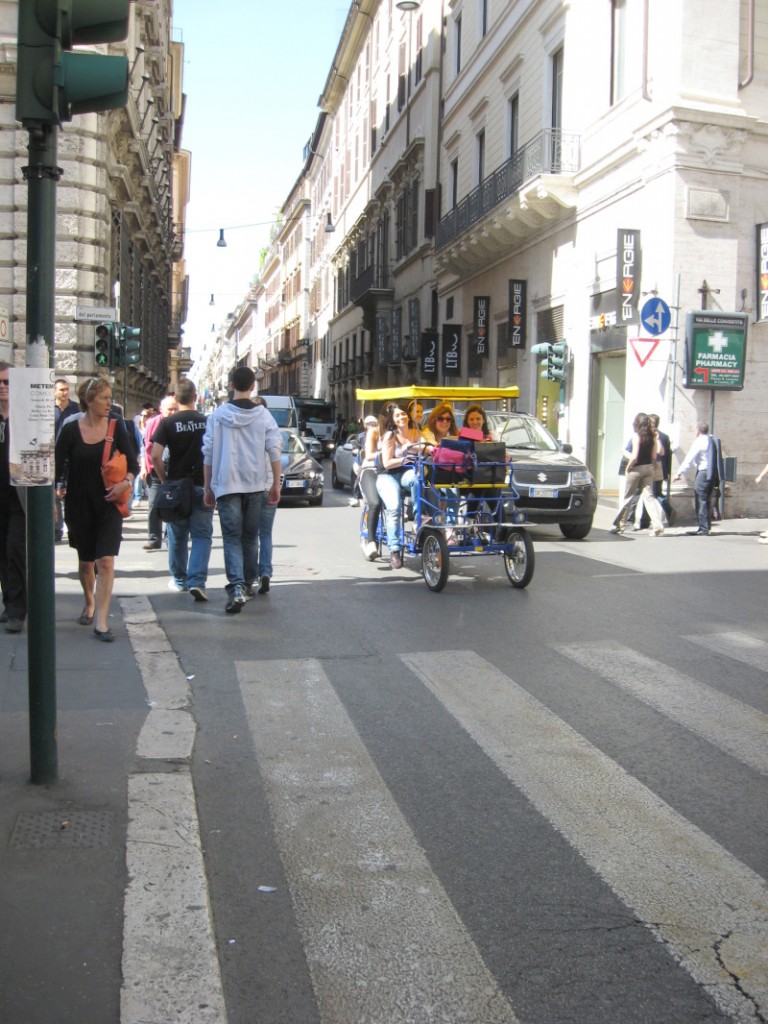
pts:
[175, 499]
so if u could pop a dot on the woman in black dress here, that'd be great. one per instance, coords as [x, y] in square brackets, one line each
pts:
[94, 524]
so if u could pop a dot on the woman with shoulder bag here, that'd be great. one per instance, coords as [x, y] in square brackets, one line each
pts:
[640, 477]
[94, 523]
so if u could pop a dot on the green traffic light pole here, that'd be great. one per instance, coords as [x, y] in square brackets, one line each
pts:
[42, 176]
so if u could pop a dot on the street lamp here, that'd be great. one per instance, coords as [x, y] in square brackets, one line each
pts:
[408, 5]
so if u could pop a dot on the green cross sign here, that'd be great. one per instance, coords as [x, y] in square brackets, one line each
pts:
[716, 350]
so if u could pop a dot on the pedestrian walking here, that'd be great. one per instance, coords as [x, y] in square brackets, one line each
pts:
[242, 443]
[702, 456]
[63, 408]
[13, 524]
[168, 406]
[94, 524]
[182, 434]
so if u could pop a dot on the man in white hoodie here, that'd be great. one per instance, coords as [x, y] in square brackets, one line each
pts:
[242, 442]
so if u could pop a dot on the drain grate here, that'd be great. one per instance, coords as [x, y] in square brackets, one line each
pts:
[62, 830]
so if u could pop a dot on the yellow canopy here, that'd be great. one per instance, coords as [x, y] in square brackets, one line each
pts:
[446, 394]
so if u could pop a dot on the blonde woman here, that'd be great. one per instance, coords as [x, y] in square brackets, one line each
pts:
[94, 525]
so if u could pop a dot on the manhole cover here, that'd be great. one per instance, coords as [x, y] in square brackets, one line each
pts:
[62, 830]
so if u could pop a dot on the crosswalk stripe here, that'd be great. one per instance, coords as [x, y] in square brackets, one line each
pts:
[707, 907]
[730, 725]
[740, 646]
[382, 939]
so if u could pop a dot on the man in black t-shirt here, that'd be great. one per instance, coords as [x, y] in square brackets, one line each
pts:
[182, 434]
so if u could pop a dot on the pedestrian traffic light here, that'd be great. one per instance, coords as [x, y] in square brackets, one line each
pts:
[557, 361]
[52, 84]
[129, 345]
[543, 351]
[104, 347]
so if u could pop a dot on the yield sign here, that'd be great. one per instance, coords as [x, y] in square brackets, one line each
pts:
[643, 348]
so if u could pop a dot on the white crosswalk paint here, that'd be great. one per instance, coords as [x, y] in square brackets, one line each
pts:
[383, 941]
[708, 908]
[740, 646]
[730, 725]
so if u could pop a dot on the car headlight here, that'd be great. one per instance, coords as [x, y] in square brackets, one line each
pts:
[581, 476]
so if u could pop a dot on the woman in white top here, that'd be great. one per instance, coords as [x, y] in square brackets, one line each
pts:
[400, 443]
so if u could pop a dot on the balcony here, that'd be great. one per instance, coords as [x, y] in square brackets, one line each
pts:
[531, 190]
[372, 291]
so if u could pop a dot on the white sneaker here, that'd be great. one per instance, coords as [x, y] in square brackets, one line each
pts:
[764, 533]
[370, 550]
[354, 502]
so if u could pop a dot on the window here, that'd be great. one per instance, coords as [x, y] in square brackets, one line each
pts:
[480, 157]
[417, 68]
[557, 89]
[513, 113]
[626, 48]
[401, 78]
[454, 183]
[483, 18]
[457, 41]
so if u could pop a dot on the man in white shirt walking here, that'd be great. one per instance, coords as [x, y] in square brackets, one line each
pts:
[703, 456]
[242, 443]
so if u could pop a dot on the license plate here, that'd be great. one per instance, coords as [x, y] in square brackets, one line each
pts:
[295, 483]
[543, 492]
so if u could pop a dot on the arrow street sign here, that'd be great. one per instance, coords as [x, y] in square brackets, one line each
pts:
[655, 316]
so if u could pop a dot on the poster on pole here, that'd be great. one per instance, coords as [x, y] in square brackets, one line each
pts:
[30, 456]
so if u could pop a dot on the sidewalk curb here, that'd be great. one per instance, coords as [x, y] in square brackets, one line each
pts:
[170, 964]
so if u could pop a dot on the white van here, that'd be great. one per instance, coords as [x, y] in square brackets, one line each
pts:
[283, 410]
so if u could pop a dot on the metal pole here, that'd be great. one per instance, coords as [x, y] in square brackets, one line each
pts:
[41, 176]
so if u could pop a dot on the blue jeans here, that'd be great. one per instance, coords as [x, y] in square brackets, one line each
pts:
[190, 568]
[266, 521]
[391, 487]
[239, 516]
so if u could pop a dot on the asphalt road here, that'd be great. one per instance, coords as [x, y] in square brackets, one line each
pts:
[484, 805]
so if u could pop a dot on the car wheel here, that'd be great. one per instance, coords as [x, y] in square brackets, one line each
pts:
[335, 482]
[576, 531]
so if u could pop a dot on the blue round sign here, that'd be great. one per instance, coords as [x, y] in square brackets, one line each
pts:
[655, 316]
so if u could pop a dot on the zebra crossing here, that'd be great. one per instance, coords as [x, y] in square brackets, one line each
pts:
[383, 939]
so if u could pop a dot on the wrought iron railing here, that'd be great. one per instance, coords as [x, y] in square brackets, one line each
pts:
[552, 152]
[372, 278]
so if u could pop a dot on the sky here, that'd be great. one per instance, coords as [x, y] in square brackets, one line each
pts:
[253, 73]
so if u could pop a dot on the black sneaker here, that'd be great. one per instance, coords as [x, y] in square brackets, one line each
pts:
[264, 585]
[236, 600]
[249, 591]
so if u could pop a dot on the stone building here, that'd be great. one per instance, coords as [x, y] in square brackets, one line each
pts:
[120, 212]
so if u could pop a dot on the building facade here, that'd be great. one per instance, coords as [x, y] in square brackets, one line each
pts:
[487, 177]
[120, 212]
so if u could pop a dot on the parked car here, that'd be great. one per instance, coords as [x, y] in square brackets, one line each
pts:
[301, 478]
[554, 485]
[343, 465]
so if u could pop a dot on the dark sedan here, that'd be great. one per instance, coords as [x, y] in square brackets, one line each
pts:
[301, 478]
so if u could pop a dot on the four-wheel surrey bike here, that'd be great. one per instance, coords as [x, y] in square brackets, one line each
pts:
[472, 514]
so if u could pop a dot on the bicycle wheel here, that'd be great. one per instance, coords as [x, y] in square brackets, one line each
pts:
[519, 559]
[435, 561]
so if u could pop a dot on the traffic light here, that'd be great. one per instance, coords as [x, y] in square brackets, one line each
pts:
[104, 347]
[52, 84]
[557, 361]
[129, 348]
[544, 352]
